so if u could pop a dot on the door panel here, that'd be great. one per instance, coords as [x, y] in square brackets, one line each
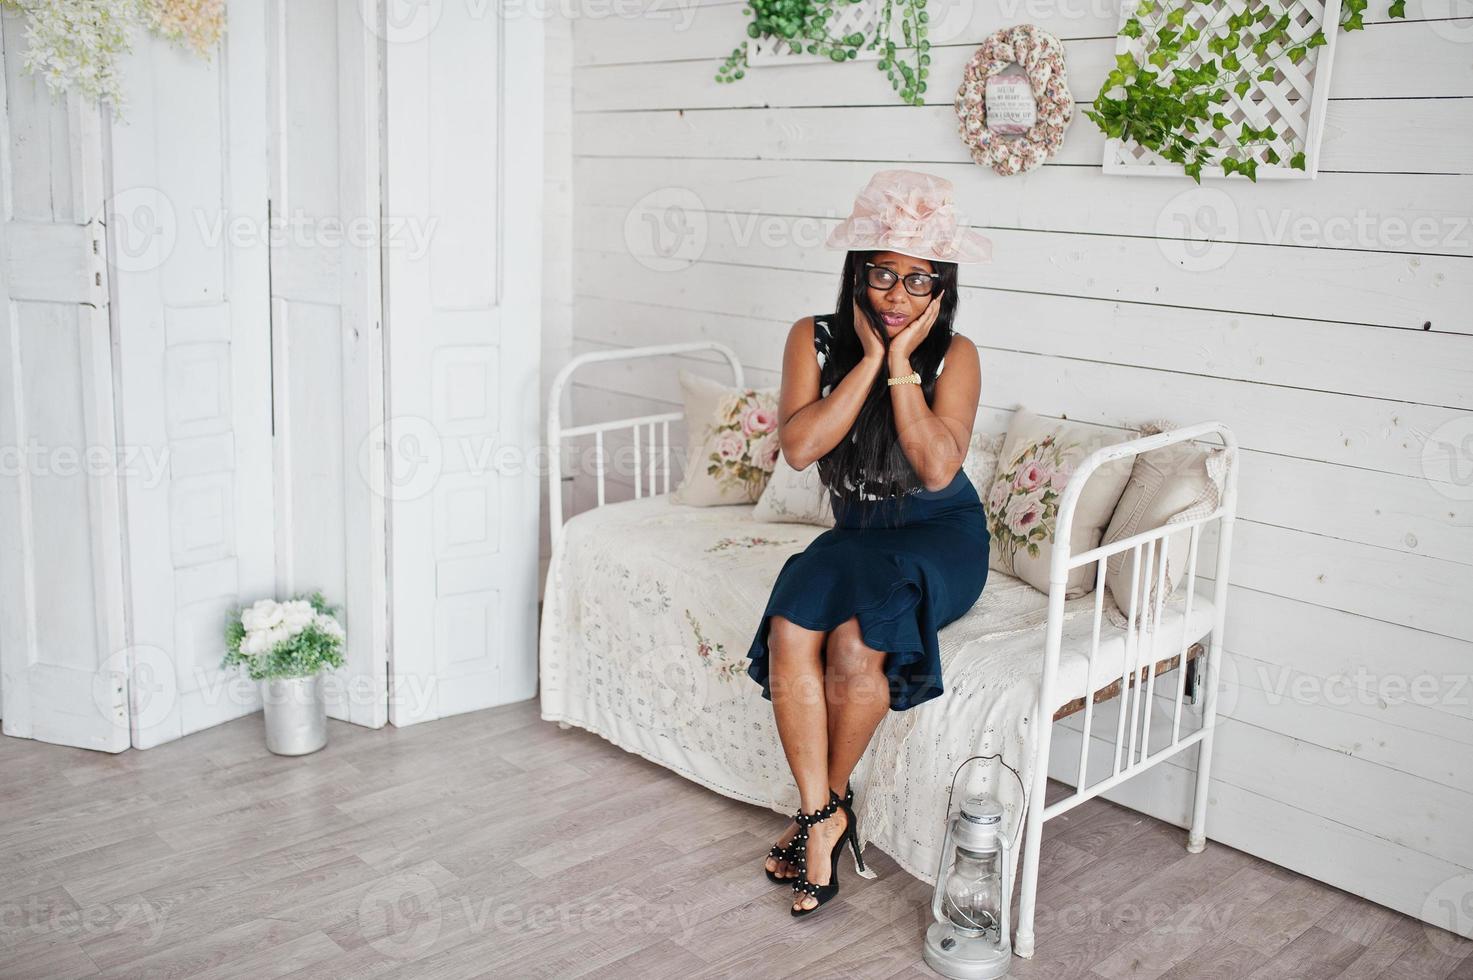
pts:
[189, 260]
[463, 140]
[326, 307]
[62, 635]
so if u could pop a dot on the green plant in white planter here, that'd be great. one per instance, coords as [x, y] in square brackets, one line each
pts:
[288, 646]
[838, 30]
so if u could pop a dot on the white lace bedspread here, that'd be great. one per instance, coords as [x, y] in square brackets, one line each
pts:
[649, 611]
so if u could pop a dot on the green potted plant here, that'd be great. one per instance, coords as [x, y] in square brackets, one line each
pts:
[797, 30]
[288, 647]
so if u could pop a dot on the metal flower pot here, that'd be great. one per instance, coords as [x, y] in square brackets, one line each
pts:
[296, 714]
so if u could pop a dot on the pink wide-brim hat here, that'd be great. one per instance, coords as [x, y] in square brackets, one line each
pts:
[912, 213]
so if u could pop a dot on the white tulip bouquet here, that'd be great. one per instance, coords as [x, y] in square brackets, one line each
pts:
[296, 638]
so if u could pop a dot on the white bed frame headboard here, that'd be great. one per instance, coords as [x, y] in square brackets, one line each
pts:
[556, 433]
[1137, 680]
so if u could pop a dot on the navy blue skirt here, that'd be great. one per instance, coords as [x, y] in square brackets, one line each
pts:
[904, 582]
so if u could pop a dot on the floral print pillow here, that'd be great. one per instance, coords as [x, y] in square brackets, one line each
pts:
[1024, 499]
[1022, 504]
[733, 442]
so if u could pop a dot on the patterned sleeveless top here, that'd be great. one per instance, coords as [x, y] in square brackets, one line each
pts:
[823, 336]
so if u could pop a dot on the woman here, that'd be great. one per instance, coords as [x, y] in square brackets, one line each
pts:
[849, 631]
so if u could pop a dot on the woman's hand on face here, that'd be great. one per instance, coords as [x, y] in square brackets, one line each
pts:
[903, 344]
[874, 347]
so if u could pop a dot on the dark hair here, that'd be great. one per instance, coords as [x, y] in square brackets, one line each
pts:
[870, 452]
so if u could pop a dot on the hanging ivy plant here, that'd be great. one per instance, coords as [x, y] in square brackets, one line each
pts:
[1167, 104]
[805, 26]
[77, 45]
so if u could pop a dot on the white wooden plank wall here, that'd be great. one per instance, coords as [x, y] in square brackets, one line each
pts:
[1328, 323]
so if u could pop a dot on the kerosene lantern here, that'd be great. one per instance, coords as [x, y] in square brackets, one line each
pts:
[969, 939]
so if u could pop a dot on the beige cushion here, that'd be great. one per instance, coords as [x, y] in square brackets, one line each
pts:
[795, 497]
[981, 468]
[1166, 486]
[1037, 459]
[981, 462]
[732, 435]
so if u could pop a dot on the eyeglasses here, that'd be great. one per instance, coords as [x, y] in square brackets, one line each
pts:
[917, 283]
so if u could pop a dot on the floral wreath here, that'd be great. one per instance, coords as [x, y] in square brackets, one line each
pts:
[1041, 55]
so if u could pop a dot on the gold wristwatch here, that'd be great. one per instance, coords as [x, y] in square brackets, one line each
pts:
[913, 378]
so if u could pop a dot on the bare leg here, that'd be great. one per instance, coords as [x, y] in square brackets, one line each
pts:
[858, 696]
[858, 699]
[796, 678]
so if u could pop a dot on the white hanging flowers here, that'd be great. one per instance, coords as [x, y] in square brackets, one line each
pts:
[76, 45]
[295, 638]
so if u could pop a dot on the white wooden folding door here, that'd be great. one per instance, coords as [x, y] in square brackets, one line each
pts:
[463, 160]
[189, 258]
[62, 634]
[304, 362]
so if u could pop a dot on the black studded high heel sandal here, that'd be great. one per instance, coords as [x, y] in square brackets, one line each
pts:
[783, 852]
[789, 852]
[848, 804]
[806, 886]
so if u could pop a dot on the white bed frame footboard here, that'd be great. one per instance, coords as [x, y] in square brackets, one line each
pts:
[1140, 653]
[1136, 682]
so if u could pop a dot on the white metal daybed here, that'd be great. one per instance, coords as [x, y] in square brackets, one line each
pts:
[650, 607]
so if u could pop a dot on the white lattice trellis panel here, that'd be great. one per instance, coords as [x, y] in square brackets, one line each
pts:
[1293, 103]
[847, 18]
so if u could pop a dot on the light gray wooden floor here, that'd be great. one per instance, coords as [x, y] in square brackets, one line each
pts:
[497, 844]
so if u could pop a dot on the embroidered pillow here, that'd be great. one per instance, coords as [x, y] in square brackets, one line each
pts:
[1037, 459]
[1166, 486]
[732, 436]
[795, 497]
